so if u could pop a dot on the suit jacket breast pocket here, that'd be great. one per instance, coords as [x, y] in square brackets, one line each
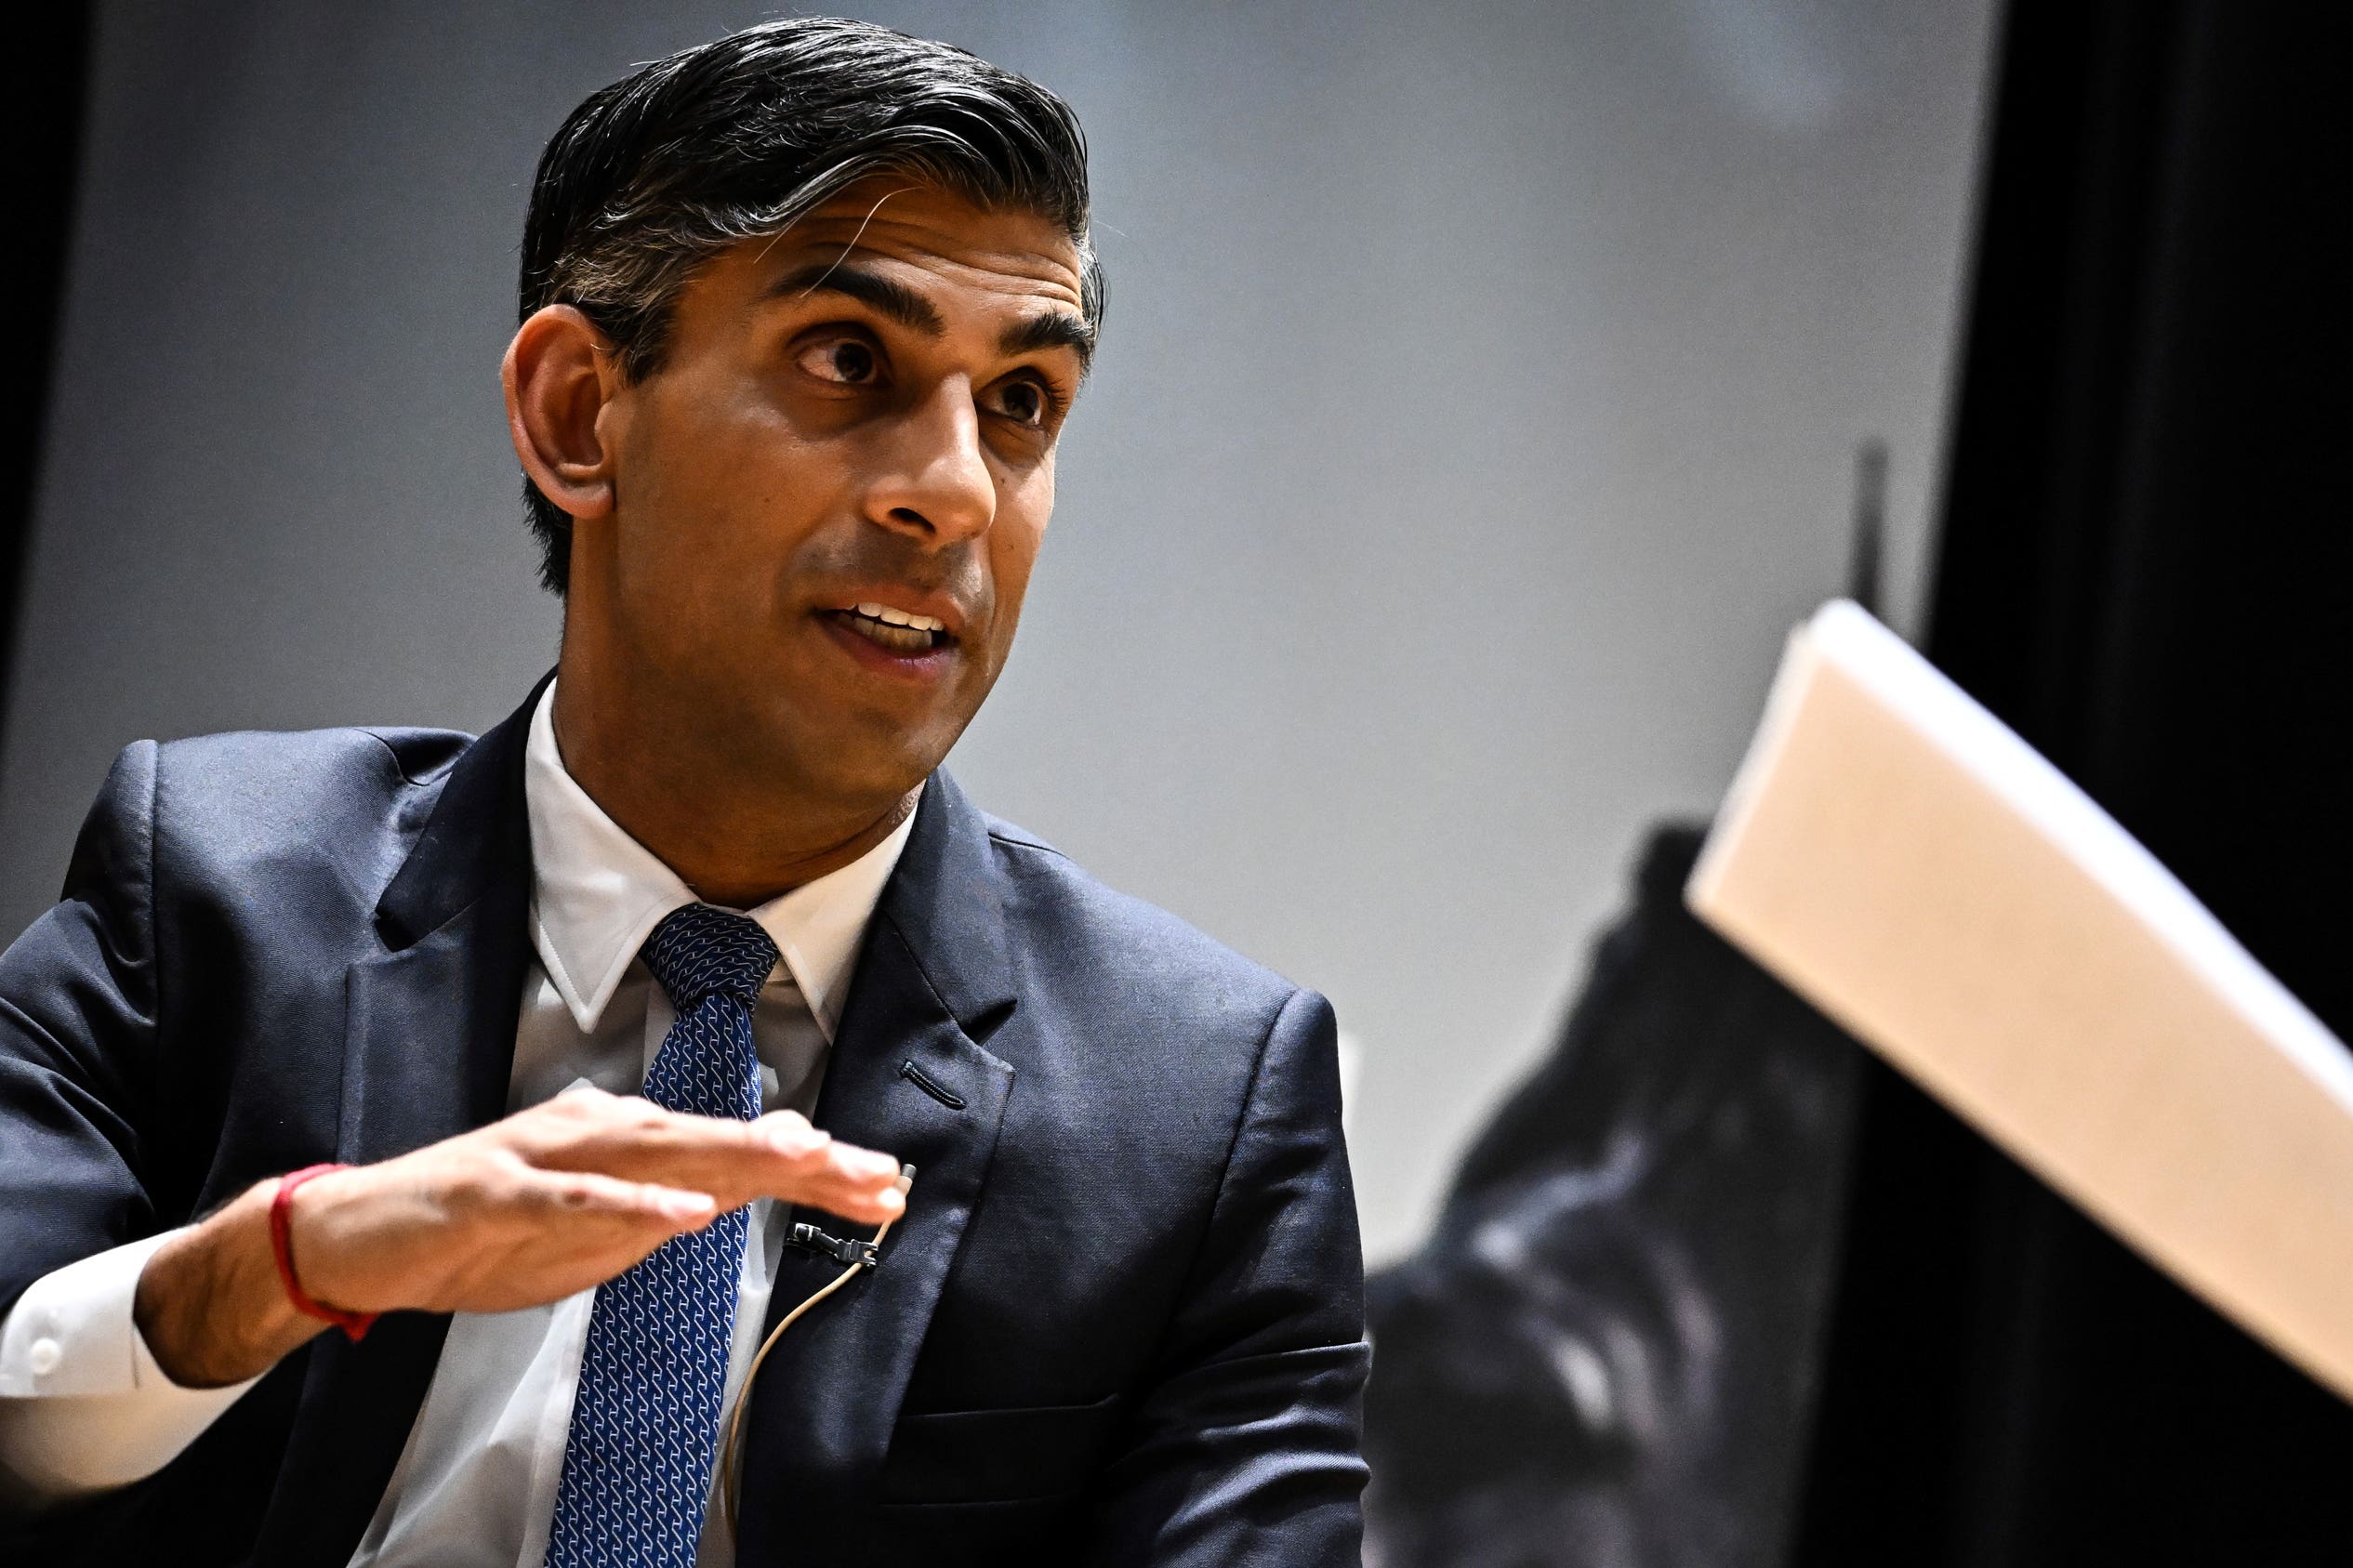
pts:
[996, 1456]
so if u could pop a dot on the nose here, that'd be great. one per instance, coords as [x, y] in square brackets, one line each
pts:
[934, 484]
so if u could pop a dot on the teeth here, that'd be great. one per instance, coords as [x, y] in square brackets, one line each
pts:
[896, 629]
[889, 616]
[903, 639]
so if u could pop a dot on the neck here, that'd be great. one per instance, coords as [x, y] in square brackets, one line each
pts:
[736, 833]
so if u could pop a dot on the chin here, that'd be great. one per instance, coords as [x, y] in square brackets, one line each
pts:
[863, 778]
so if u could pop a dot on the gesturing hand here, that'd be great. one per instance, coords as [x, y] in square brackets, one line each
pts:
[550, 1201]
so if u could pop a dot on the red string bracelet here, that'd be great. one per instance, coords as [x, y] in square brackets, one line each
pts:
[355, 1324]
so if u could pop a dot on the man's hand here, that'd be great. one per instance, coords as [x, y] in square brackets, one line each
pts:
[550, 1201]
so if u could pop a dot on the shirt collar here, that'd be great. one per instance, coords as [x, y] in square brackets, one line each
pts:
[596, 894]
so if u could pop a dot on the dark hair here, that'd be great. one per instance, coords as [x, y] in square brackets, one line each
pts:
[655, 174]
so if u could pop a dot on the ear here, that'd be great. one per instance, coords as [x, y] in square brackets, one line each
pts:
[559, 375]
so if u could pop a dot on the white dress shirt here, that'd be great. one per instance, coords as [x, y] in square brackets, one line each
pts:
[84, 1407]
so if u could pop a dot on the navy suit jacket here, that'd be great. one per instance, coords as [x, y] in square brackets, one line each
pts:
[1121, 1321]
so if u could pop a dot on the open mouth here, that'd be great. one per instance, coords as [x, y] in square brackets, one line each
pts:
[898, 630]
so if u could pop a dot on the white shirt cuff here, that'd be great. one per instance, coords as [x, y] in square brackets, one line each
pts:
[83, 1404]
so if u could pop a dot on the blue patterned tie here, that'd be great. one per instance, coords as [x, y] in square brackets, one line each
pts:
[637, 1466]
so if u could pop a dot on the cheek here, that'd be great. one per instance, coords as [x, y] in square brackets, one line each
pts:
[718, 483]
[713, 460]
[1014, 541]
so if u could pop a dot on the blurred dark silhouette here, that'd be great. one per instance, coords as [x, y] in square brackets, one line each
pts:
[1605, 1354]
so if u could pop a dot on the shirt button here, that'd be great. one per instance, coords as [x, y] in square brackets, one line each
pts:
[45, 1356]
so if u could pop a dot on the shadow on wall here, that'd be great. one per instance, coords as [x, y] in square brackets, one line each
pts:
[1606, 1354]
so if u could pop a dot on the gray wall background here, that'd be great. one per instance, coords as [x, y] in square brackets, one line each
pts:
[1478, 410]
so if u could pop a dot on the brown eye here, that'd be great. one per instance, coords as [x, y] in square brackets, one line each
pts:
[1022, 401]
[844, 361]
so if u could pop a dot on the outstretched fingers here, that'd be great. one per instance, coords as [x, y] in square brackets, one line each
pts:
[822, 1172]
[778, 1155]
[591, 1194]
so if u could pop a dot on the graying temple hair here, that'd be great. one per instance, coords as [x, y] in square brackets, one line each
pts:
[739, 139]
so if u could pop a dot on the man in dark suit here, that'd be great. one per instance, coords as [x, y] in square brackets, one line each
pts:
[561, 1010]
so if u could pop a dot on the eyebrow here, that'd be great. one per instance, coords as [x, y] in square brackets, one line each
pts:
[886, 297]
[895, 301]
[1055, 329]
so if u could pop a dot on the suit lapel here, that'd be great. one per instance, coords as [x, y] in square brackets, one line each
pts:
[932, 982]
[428, 1044]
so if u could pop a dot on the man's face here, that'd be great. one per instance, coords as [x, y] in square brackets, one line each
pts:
[828, 500]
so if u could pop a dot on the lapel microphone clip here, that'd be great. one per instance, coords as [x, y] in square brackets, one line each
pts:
[848, 1251]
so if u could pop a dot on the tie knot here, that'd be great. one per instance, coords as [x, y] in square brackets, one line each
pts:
[701, 949]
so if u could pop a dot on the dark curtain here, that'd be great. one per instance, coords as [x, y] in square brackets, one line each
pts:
[2143, 570]
[43, 73]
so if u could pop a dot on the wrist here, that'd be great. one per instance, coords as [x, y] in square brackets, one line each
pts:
[209, 1303]
[289, 1189]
